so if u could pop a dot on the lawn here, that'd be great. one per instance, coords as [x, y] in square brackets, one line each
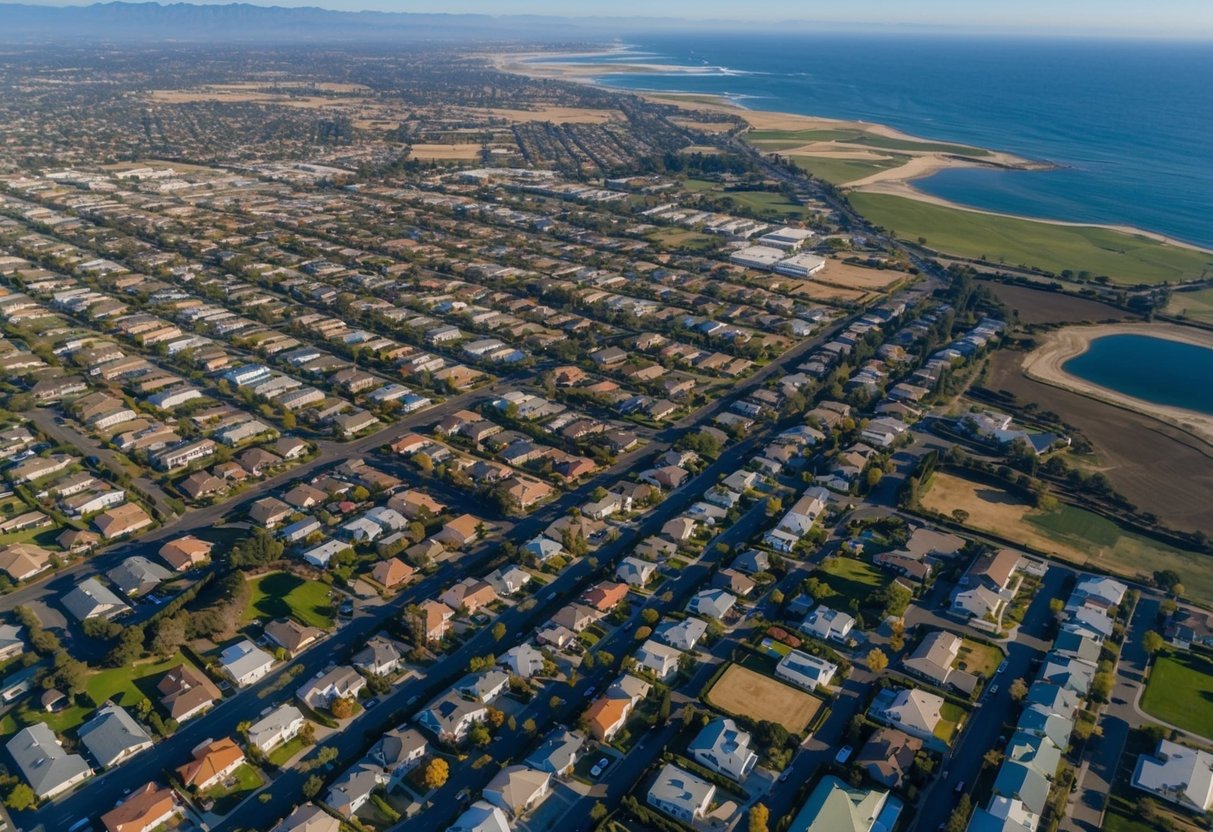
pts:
[244, 781]
[1069, 533]
[683, 238]
[850, 579]
[124, 686]
[768, 203]
[951, 715]
[1180, 690]
[841, 171]
[281, 594]
[283, 753]
[978, 659]
[742, 692]
[1123, 258]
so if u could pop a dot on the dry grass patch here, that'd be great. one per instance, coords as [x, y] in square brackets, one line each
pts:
[742, 692]
[445, 151]
[849, 276]
[562, 115]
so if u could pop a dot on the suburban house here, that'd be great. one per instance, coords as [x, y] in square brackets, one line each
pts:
[214, 761]
[436, 617]
[481, 816]
[342, 682]
[469, 595]
[461, 531]
[987, 585]
[292, 636]
[450, 717]
[185, 691]
[308, 818]
[712, 603]
[635, 572]
[138, 576]
[558, 753]
[1178, 774]
[482, 687]
[92, 599]
[724, 748]
[828, 624]
[605, 596]
[522, 660]
[22, 561]
[49, 770]
[680, 794]
[888, 756]
[391, 572]
[518, 789]
[352, 790]
[276, 728]
[113, 736]
[245, 663]
[507, 580]
[606, 716]
[142, 811]
[914, 711]
[380, 657]
[121, 520]
[933, 660]
[805, 671]
[681, 635]
[833, 806]
[399, 751]
[184, 553]
[659, 659]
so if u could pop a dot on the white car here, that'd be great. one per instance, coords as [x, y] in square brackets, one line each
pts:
[599, 767]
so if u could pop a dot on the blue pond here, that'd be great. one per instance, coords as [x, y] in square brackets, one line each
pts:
[1153, 369]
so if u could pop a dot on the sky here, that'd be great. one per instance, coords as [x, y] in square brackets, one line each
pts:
[1190, 18]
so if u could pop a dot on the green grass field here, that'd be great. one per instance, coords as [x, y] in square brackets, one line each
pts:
[1073, 522]
[1123, 258]
[763, 203]
[246, 780]
[979, 659]
[124, 686]
[951, 715]
[850, 578]
[1196, 306]
[283, 753]
[787, 139]
[281, 594]
[683, 238]
[841, 171]
[1180, 691]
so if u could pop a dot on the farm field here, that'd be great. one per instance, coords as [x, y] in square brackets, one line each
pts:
[1123, 258]
[1069, 533]
[1179, 690]
[743, 692]
[1039, 306]
[281, 595]
[1198, 305]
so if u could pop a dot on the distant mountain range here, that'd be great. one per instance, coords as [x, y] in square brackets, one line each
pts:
[248, 23]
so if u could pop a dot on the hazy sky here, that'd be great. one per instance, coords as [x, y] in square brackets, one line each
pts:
[1192, 18]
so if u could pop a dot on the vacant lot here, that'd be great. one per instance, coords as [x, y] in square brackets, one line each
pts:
[1069, 533]
[1037, 306]
[742, 692]
[1123, 258]
[848, 276]
[1159, 468]
[1180, 690]
[445, 151]
[282, 595]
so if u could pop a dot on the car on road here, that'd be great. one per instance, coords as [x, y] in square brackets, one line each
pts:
[960, 787]
[463, 797]
[370, 703]
[599, 767]
[590, 691]
[843, 754]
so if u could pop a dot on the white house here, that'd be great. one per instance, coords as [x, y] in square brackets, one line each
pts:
[245, 663]
[276, 728]
[659, 658]
[1177, 773]
[828, 624]
[680, 794]
[724, 748]
[805, 671]
[712, 603]
[635, 572]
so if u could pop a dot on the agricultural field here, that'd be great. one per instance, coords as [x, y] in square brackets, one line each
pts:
[1196, 306]
[283, 595]
[839, 171]
[1123, 258]
[743, 692]
[1070, 533]
[1179, 691]
[1040, 306]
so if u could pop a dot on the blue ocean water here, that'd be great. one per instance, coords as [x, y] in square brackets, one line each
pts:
[1154, 369]
[1130, 124]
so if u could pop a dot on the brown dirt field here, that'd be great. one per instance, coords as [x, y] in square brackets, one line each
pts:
[704, 126]
[990, 509]
[837, 273]
[445, 151]
[229, 96]
[743, 692]
[1156, 466]
[563, 115]
[1037, 306]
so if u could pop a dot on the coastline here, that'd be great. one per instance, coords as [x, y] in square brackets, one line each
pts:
[1045, 364]
[894, 181]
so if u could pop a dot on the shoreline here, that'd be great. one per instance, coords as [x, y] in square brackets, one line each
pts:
[896, 181]
[1045, 364]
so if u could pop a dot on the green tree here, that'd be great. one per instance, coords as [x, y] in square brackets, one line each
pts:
[877, 660]
[312, 786]
[760, 815]
[21, 797]
[1019, 689]
[1153, 641]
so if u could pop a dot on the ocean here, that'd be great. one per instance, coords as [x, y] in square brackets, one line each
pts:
[1156, 370]
[1129, 124]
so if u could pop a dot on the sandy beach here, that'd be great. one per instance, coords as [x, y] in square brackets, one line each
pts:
[1045, 364]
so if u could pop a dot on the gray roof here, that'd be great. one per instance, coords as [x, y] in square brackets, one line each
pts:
[91, 598]
[1021, 781]
[111, 734]
[558, 752]
[398, 746]
[138, 574]
[676, 787]
[273, 724]
[42, 760]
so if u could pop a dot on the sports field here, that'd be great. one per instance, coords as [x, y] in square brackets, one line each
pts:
[742, 692]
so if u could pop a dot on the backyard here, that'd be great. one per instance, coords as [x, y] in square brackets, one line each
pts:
[1179, 691]
[850, 579]
[232, 792]
[283, 595]
[979, 659]
[951, 716]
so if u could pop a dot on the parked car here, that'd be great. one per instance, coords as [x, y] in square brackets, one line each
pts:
[843, 754]
[599, 767]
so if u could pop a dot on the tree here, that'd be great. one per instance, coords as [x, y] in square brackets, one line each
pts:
[496, 717]
[529, 726]
[874, 476]
[960, 515]
[168, 634]
[479, 735]
[1019, 689]
[436, 772]
[22, 797]
[958, 821]
[312, 786]
[1153, 641]
[342, 708]
[877, 660]
[598, 812]
[650, 616]
[759, 816]
[128, 649]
